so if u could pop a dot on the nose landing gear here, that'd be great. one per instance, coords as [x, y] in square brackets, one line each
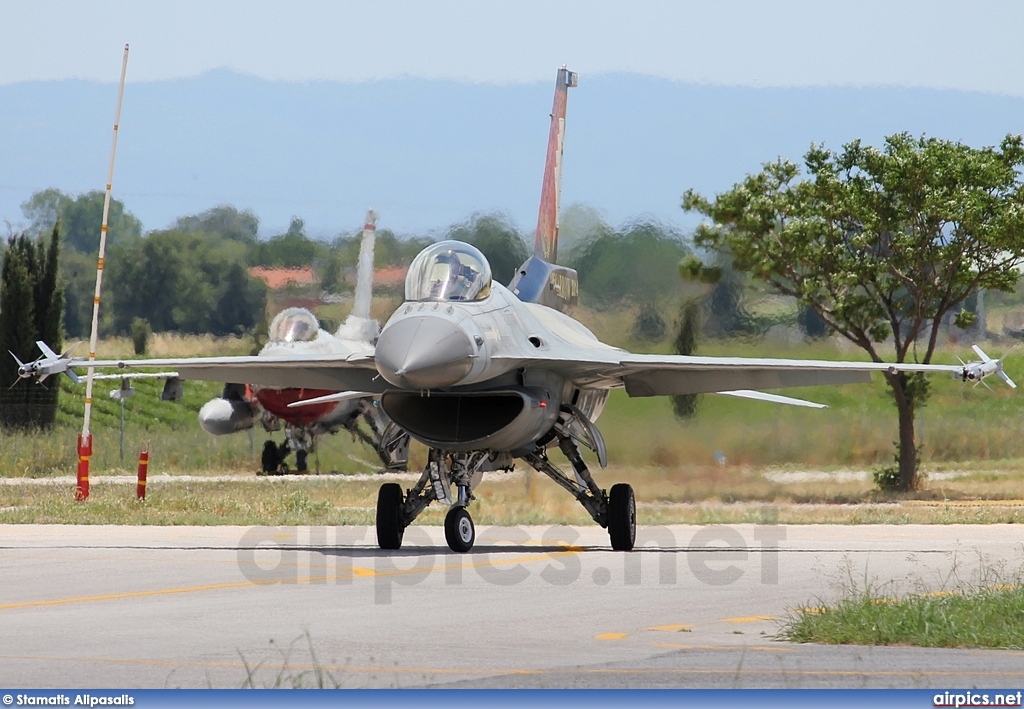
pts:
[396, 511]
[459, 531]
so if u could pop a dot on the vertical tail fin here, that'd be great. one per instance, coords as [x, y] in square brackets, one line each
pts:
[364, 270]
[540, 280]
[545, 244]
[359, 326]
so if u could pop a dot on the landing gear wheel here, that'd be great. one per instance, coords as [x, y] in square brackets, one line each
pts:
[300, 462]
[622, 517]
[389, 516]
[269, 460]
[459, 531]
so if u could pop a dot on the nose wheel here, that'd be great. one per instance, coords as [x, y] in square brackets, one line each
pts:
[459, 531]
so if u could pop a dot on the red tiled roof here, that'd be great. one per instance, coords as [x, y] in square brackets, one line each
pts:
[392, 276]
[277, 278]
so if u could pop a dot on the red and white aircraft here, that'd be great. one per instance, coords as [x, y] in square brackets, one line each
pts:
[296, 331]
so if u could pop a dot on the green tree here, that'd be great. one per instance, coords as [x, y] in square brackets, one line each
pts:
[81, 218]
[183, 282]
[649, 325]
[239, 303]
[293, 249]
[723, 304]
[636, 264]
[499, 240]
[578, 224]
[684, 406]
[224, 221]
[31, 305]
[44, 208]
[141, 334]
[78, 274]
[882, 244]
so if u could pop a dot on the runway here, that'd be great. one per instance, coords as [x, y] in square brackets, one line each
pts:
[152, 607]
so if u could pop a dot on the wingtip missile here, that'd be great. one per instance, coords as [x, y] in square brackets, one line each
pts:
[47, 364]
[976, 371]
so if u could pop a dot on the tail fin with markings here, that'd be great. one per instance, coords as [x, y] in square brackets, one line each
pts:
[539, 280]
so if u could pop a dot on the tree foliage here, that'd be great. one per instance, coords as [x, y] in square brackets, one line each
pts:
[183, 282]
[293, 249]
[637, 264]
[31, 305]
[224, 221]
[725, 312]
[80, 218]
[499, 240]
[684, 406]
[649, 325]
[881, 244]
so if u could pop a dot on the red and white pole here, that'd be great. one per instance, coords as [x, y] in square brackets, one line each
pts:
[84, 452]
[85, 439]
[140, 489]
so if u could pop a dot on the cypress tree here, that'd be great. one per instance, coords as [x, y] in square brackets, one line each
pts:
[685, 405]
[31, 305]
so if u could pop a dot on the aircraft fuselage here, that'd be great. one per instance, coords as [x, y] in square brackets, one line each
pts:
[458, 375]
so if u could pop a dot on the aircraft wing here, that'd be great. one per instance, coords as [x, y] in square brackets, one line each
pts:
[664, 375]
[602, 368]
[331, 372]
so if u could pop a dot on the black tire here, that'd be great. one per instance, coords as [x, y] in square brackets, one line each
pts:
[390, 529]
[459, 531]
[269, 460]
[300, 461]
[622, 517]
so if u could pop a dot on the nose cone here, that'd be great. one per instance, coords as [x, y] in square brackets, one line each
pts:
[424, 352]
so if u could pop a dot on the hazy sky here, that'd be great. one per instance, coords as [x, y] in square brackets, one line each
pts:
[930, 43]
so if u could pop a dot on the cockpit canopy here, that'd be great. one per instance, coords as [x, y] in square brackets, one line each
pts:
[294, 325]
[448, 270]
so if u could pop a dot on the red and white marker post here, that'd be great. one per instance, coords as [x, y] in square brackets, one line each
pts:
[140, 489]
[85, 439]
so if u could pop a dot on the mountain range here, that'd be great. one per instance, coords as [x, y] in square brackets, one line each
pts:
[427, 153]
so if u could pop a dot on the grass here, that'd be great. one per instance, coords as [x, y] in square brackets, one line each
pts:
[687, 496]
[979, 616]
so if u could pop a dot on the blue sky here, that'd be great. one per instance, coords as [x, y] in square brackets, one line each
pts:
[925, 43]
[633, 145]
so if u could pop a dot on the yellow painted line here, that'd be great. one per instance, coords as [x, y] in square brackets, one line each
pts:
[355, 571]
[144, 594]
[610, 636]
[748, 619]
[670, 628]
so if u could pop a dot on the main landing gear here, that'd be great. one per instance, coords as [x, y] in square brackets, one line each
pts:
[614, 510]
[298, 439]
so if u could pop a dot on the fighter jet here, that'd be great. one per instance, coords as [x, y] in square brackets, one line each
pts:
[297, 331]
[486, 375]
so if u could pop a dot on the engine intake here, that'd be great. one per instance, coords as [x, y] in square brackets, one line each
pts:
[503, 420]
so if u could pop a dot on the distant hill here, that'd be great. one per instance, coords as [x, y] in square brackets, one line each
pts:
[429, 153]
